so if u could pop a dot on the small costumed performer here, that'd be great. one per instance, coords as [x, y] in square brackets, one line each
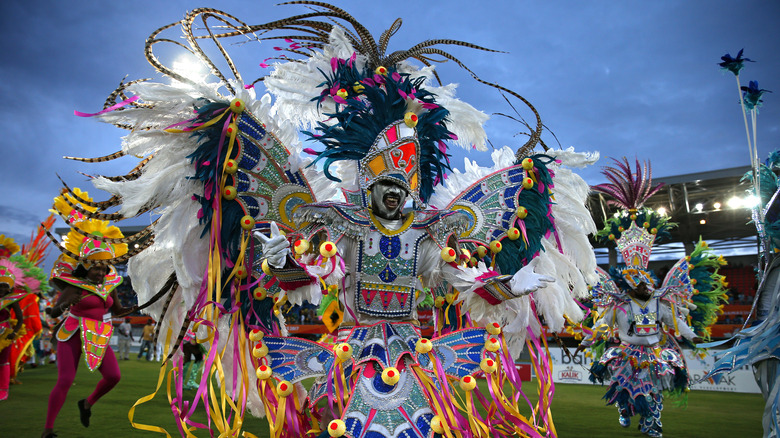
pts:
[644, 365]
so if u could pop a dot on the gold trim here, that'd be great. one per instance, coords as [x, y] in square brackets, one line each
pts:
[405, 226]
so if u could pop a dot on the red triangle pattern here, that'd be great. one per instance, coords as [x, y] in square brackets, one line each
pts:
[368, 296]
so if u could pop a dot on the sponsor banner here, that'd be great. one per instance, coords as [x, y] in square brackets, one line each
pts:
[740, 380]
[568, 369]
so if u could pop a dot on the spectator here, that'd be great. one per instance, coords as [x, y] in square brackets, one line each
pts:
[125, 336]
[146, 341]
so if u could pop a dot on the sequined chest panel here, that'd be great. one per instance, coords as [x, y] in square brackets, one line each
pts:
[387, 267]
[644, 319]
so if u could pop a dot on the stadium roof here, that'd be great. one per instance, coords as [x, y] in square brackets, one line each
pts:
[703, 206]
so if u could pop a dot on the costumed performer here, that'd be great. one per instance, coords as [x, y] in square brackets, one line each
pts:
[759, 343]
[9, 326]
[29, 260]
[87, 283]
[237, 166]
[648, 362]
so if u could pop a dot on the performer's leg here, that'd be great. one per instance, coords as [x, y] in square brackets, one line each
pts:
[5, 372]
[650, 424]
[109, 370]
[68, 355]
[193, 380]
[625, 417]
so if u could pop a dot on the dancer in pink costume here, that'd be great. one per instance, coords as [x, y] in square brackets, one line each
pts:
[88, 291]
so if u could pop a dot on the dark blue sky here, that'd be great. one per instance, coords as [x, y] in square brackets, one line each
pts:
[632, 78]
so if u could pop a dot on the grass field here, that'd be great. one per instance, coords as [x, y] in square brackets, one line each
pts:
[578, 410]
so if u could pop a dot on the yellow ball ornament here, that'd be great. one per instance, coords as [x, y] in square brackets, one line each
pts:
[391, 376]
[381, 70]
[342, 93]
[436, 425]
[448, 254]
[439, 302]
[528, 164]
[256, 335]
[410, 119]
[328, 249]
[229, 193]
[488, 365]
[449, 297]
[521, 212]
[337, 428]
[259, 293]
[231, 166]
[654, 231]
[482, 251]
[260, 350]
[301, 246]
[237, 106]
[513, 233]
[343, 351]
[241, 273]
[423, 346]
[493, 328]
[495, 247]
[284, 388]
[468, 383]
[492, 345]
[263, 372]
[232, 129]
[528, 183]
[247, 222]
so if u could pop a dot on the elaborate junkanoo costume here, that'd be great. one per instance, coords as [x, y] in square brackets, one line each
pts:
[759, 343]
[497, 250]
[645, 321]
[9, 325]
[86, 281]
[20, 320]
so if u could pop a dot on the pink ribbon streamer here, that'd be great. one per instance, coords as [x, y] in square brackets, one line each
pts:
[109, 109]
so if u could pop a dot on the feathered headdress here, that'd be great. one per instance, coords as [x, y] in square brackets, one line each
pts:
[387, 122]
[94, 240]
[633, 229]
[8, 246]
[9, 272]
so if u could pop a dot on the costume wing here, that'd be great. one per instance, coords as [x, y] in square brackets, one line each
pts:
[536, 210]
[697, 289]
[678, 285]
[605, 291]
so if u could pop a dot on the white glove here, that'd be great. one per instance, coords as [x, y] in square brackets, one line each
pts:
[275, 248]
[526, 280]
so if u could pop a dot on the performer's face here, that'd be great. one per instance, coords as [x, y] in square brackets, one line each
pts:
[97, 273]
[387, 199]
[643, 292]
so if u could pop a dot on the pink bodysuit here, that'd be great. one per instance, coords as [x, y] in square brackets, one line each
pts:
[69, 353]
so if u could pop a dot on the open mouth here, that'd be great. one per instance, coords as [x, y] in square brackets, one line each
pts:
[391, 201]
